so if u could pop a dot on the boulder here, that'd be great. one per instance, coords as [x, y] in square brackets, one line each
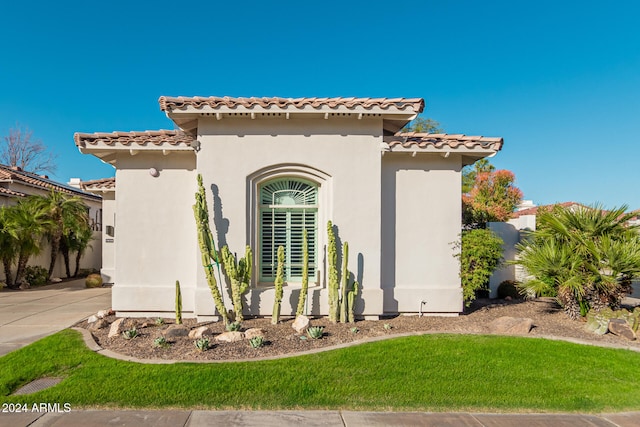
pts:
[116, 328]
[198, 332]
[98, 324]
[300, 324]
[511, 325]
[93, 319]
[621, 328]
[93, 281]
[253, 332]
[233, 336]
[102, 314]
[56, 280]
[176, 331]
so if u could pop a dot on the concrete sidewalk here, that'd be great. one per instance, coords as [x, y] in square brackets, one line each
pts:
[309, 419]
[26, 316]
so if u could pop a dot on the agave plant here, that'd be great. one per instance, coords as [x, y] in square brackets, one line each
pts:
[256, 342]
[130, 334]
[201, 344]
[161, 342]
[315, 332]
[233, 326]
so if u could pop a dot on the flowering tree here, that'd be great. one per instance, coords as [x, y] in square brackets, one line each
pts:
[493, 197]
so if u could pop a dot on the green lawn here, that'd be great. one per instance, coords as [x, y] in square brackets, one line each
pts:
[430, 373]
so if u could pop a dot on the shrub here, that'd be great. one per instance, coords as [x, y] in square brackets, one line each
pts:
[233, 326]
[93, 281]
[202, 344]
[480, 254]
[509, 288]
[130, 334]
[36, 275]
[161, 342]
[256, 342]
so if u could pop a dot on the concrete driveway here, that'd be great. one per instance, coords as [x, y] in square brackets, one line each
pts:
[26, 316]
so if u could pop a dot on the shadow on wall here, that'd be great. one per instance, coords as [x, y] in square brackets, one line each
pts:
[220, 223]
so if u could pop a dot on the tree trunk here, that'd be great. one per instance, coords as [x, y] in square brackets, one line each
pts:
[20, 270]
[7, 272]
[55, 247]
[64, 248]
[78, 257]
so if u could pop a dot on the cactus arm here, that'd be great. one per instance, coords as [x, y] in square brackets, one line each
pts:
[351, 298]
[278, 287]
[345, 282]
[178, 304]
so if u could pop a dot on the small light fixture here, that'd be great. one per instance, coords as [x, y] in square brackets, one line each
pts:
[154, 172]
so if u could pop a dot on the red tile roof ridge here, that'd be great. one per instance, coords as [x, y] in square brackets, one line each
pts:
[156, 137]
[168, 103]
[8, 173]
[458, 136]
[534, 210]
[440, 140]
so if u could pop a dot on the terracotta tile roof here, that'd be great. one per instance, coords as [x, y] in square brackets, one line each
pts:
[168, 103]
[442, 140]
[99, 184]
[5, 192]
[13, 174]
[156, 137]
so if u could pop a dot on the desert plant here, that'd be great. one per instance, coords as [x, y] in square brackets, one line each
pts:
[202, 344]
[479, 252]
[351, 300]
[207, 247]
[130, 333]
[93, 281]
[305, 274]
[586, 256]
[279, 282]
[178, 304]
[315, 332]
[387, 326]
[239, 274]
[159, 321]
[355, 330]
[161, 342]
[345, 282]
[36, 275]
[233, 326]
[256, 342]
[332, 267]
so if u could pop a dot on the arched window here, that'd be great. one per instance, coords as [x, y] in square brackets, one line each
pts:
[287, 207]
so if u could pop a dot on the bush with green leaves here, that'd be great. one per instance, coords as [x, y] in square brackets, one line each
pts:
[586, 256]
[480, 253]
[509, 288]
[36, 275]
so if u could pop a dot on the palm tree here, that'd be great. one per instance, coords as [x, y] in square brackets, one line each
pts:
[81, 241]
[26, 222]
[7, 247]
[61, 211]
[587, 256]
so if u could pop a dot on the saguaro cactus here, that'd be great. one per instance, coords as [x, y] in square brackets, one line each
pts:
[207, 247]
[305, 274]
[275, 318]
[351, 299]
[239, 273]
[178, 304]
[332, 261]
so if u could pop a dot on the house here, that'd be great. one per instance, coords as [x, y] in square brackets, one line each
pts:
[273, 167]
[16, 183]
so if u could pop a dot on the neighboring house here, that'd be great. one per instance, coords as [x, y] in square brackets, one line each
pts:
[16, 184]
[273, 167]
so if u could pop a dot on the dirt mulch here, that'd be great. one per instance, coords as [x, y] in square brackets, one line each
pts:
[548, 318]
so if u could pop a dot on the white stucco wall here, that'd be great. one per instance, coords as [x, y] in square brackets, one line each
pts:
[421, 217]
[108, 269]
[154, 233]
[341, 155]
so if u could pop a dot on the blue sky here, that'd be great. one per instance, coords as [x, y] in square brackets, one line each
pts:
[559, 81]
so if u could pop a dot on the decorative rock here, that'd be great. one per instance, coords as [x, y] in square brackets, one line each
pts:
[176, 331]
[99, 324]
[92, 319]
[197, 333]
[621, 328]
[300, 324]
[102, 314]
[116, 328]
[56, 280]
[253, 332]
[511, 325]
[233, 336]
